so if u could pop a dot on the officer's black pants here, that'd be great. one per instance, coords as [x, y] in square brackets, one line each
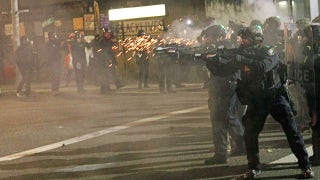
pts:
[79, 69]
[103, 78]
[165, 77]
[26, 77]
[55, 75]
[143, 73]
[254, 120]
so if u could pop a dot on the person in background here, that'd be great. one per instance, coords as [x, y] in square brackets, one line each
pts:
[79, 60]
[68, 59]
[142, 60]
[25, 62]
[101, 62]
[109, 37]
[54, 47]
[165, 63]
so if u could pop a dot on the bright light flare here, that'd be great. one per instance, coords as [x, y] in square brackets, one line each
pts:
[147, 44]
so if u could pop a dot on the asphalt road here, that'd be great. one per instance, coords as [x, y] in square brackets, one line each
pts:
[127, 134]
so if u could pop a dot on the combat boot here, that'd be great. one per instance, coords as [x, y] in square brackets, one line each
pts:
[251, 174]
[307, 173]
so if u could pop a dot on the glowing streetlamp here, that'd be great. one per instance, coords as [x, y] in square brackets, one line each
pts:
[189, 22]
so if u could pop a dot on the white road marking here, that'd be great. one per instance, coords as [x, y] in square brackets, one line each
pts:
[89, 167]
[290, 158]
[96, 134]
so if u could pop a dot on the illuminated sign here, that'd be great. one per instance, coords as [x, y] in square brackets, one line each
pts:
[77, 23]
[137, 12]
[88, 21]
[149, 26]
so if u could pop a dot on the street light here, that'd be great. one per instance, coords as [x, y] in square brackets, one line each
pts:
[284, 4]
[189, 22]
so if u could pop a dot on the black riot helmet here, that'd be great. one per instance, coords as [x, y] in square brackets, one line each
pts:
[256, 22]
[257, 30]
[250, 36]
[246, 33]
[212, 34]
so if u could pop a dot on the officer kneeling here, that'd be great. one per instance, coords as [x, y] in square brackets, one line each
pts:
[260, 88]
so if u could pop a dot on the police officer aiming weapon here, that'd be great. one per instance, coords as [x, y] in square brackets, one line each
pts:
[260, 88]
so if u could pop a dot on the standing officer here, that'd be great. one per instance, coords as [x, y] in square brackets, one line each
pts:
[305, 51]
[25, 62]
[142, 60]
[102, 62]
[261, 89]
[165, 63]
[111, 57]
[79, 60]
[54, 46]
[223, 101]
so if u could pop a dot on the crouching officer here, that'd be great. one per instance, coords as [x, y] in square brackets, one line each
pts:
[223, 102]
[259, 89]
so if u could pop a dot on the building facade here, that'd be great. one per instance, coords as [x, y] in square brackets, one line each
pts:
[65, 16]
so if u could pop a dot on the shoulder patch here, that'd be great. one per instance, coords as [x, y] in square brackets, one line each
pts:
[271, 52]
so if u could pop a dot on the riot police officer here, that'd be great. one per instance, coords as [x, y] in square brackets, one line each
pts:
[102, 61]
[142, 59]
[79, 60]
[54, 47]
[223, 102]
[25, 62]
[165, 61]
[260, 88]
[306, 63]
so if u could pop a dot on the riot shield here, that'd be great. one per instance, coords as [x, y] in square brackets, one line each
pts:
[297, 74]
[314, 32]
[303, 59]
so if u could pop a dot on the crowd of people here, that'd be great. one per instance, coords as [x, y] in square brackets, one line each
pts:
[102, 61]
[245, 85]
[254, 77]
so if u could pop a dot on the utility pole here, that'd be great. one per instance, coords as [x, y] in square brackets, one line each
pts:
[16, 29]
[15, 12]
[15, 24]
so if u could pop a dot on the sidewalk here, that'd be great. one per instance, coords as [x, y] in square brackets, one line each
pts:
[45, 87]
